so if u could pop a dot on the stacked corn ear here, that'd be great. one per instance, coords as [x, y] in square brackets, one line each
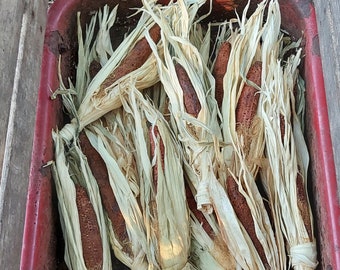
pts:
[163, 195]
[198, 127]
[244, 170]
[243, 144]
[74, 98]
[208, 250]
[94, 49]
[195, 120]
[184, 169]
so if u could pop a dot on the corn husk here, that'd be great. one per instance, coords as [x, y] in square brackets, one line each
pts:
[207, 252]
[249, 43]
[68, 170]
[285, 156]
[96, 101]
[195, 134]
[166, 239]
[91, 49]
[199, 136]
[245, 43]
[73, 98]
[125, 188]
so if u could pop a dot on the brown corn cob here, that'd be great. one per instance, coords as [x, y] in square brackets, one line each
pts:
[89, 228]
[243, 213]
[248, 101]
[94, 68]
[302, 200]
[228, 5]
[134, 59]
[303, 205]
[109, 201]
[219, 70]
[191, 101]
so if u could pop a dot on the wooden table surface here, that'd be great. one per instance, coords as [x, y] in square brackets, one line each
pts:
[22, 26]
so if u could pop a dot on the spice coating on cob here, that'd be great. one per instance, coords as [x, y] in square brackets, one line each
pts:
[191, 102]
[94, 68]
[98, 168]
[134, 59]
[249, 98]
[219, 70]
[89, 228]
[243, 213]
[303, 205]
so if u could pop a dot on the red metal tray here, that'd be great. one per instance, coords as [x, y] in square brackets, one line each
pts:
[42, 242]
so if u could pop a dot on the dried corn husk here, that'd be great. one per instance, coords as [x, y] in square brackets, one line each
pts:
[286, 155]
[96, 101]
[166, 239]
[68, 170]
[200, 135]
[250, 43]
[207, 252]
[196, 134]
[245, 43]
[125, 191]
[89, 50]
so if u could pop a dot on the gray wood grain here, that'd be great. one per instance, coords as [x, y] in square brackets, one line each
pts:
[22, 26]
[328, 19]
[10, 12]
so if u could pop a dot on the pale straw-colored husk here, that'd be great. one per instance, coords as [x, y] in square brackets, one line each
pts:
[163, 212]
[95, 100]
[65, 175]
[284, 158]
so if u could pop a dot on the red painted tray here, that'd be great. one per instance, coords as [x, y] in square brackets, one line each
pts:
[42, 243]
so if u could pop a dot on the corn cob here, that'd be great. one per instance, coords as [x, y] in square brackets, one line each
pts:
[282, 127]
[303, 205]
[219, 70]
[190, 98]
[90, 233]
[109, 201]
[94, 68]
[248, 101]
[134, 59]
[243, 213]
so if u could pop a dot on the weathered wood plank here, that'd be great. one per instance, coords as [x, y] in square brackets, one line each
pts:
[22, 24]
[328, 19]
[10, 22]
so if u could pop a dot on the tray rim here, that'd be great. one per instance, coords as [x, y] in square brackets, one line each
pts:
[329, 217]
